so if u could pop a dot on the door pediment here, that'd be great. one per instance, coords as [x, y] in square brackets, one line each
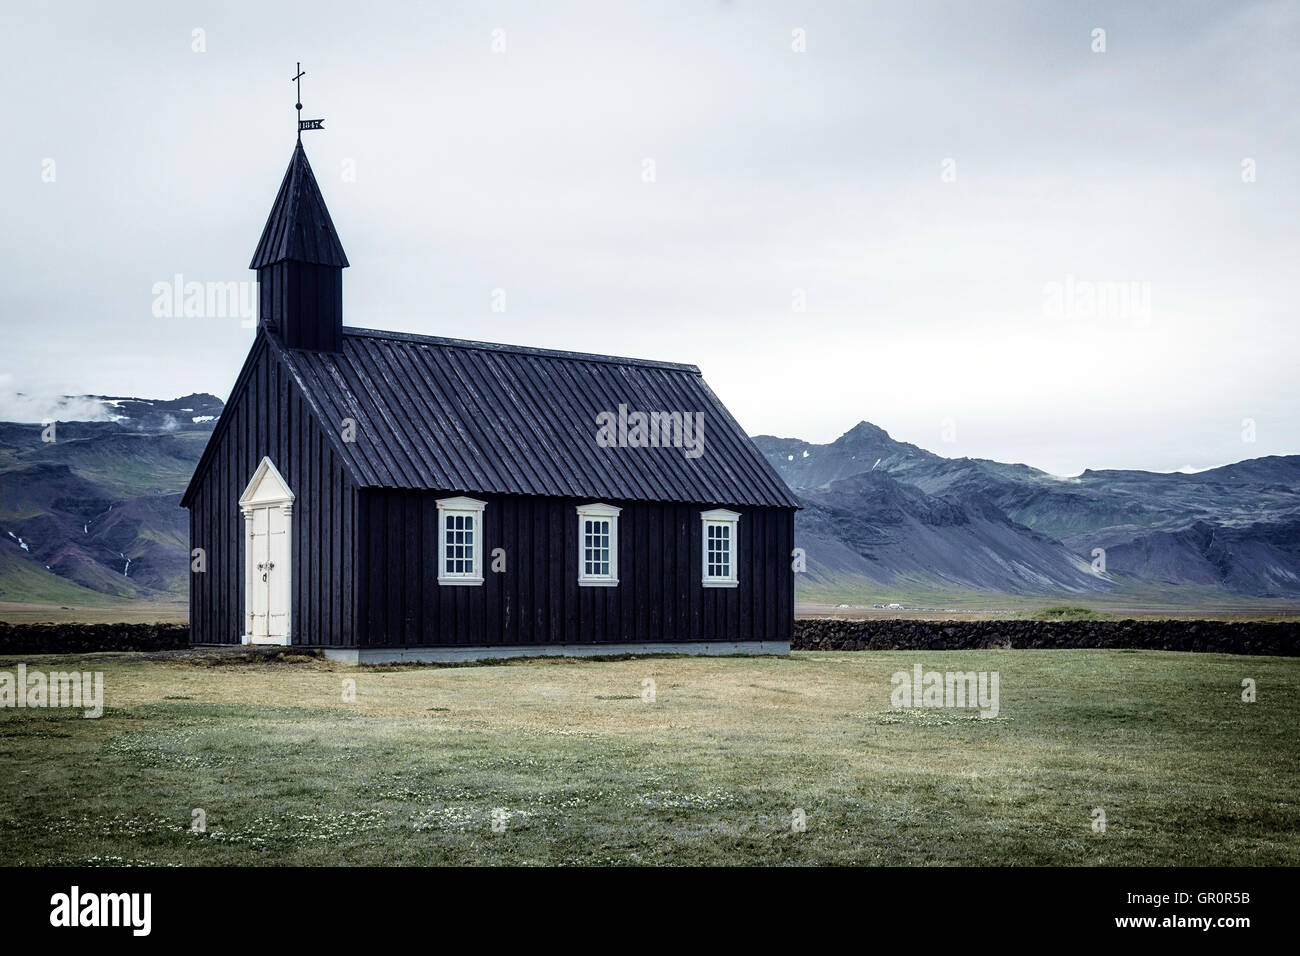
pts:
[267, 487]
[267, 504]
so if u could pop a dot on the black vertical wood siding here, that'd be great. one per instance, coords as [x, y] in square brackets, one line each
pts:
[267, 416]
[538, 600]
[365, 561]
[304, 302]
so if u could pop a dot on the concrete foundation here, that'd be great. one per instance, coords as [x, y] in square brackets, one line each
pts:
[439, 655]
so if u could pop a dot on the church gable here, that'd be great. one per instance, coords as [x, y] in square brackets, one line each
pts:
[266, 401]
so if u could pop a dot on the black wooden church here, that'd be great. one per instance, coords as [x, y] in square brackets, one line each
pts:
[404, 497]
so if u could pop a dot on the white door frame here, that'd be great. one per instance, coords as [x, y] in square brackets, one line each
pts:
[267, 490]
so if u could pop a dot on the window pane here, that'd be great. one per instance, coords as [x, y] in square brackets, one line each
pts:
[458, 544]
[717, 551]
[596, 535]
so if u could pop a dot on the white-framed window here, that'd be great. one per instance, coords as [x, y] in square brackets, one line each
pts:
[460, 541]
[719, 542]
[598, 545]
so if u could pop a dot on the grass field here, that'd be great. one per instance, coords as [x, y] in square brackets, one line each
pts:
[1046, 611]
[853, 598]
[584, 771]
[135, 612]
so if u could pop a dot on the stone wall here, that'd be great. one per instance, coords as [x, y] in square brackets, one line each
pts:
[1225, 637]
[81, 638]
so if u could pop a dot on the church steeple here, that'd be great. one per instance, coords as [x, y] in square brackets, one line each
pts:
[300, 262]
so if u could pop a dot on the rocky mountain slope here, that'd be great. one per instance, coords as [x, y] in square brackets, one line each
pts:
[890, 513]
[93, 516]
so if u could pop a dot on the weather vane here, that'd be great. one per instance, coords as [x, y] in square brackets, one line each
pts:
[302, 123]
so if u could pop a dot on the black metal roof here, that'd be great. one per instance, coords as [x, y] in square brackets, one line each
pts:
[447, 414]
[299, 226]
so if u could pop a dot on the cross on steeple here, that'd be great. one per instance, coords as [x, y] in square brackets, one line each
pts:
[302, 123]
[298, 106]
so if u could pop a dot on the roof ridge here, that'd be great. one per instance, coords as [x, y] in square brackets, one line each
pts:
[350, 330]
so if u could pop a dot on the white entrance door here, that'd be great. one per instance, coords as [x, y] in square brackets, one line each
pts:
[269, 554]
[267, 504]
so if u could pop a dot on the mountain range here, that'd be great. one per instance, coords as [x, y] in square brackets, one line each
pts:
[91, 519]
[881, 514]
[90, 512]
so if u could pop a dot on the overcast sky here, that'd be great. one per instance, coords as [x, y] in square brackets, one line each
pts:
[948, 189]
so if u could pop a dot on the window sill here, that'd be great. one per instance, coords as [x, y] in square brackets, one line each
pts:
[597, 583]
[460, 582]
[720, 584]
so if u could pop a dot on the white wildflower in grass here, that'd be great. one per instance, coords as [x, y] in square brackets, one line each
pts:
[118, 825]
[181, 748]
[294, 828]
[110, 861]
[929, 718]
[709, 800]
[465, 818]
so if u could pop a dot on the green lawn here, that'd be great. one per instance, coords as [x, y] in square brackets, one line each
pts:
[586, 772]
